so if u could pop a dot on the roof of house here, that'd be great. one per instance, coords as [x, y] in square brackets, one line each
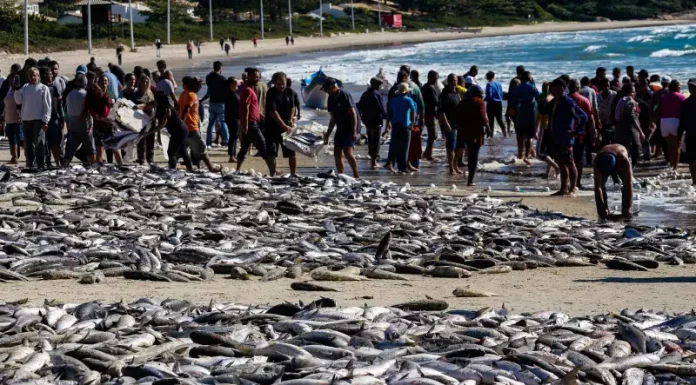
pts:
[94, 2]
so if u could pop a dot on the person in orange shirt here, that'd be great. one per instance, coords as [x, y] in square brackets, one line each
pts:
[188, 112]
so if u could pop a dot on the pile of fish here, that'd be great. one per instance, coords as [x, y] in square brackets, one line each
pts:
[157, 224]
[177, 342]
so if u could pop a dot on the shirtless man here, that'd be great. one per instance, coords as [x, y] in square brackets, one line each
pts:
[613, 160]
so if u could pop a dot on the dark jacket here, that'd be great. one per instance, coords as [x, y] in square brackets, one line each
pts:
[371, 108]
[471, 119]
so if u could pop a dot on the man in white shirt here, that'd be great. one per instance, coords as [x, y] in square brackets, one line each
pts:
[35, 101]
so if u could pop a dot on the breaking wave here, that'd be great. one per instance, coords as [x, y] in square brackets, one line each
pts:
[673, 53]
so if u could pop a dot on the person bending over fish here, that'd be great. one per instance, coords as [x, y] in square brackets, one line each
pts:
[612, 160]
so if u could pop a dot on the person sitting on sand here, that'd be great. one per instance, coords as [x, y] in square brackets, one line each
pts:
[612, 160]
[566, 121]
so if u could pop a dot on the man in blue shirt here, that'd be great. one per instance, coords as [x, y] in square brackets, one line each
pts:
[402, 114]
[494, 104]
[566, 121]
[523, 100]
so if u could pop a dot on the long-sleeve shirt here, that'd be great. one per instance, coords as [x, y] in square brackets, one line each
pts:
[35, 100]
[471, 119]
[565, 117]
[687, 121]
[371, 108]
[494, 92]
[430, 95]
[400, 110]
[11, 112]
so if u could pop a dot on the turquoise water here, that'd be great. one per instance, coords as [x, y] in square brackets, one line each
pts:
[665, 50]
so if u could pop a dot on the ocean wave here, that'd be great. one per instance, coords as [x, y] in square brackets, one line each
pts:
[673, 53]
[681, 36]
[594, 48]
[614, 54]
[641, 39]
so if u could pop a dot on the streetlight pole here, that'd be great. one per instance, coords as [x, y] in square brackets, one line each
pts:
[210, 16]
[379, 12]
[261, 19]
[169, 20]
[290, 16]
[89, 26]
[352, 13]
[26, 27]
[321, 19]
[130, 21]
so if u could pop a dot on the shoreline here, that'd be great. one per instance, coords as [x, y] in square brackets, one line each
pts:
[176, 55]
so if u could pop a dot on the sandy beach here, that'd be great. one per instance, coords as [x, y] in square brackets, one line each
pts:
[176, 55]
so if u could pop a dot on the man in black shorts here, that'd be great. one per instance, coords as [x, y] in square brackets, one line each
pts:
[280, 117]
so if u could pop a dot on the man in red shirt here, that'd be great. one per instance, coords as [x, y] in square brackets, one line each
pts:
[584, 140]
[249, 118]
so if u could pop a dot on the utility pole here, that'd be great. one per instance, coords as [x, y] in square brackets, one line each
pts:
[290, 16]
[130, 21]
[210, 16]
[261, 19]
[26, 27]
[89, 26]
[379, 12]
[321, 19]
[352, 13]
[169, 21]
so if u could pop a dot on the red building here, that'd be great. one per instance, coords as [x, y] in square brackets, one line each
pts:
[392, 21]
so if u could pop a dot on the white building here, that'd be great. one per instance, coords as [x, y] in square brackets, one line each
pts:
[33, 7]
[75, 17]
[335, 11]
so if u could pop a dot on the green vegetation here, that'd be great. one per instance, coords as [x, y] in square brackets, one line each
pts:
[238, 18]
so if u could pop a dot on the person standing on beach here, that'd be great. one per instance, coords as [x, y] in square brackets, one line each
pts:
[292, 40]
[79, 123]
[165, 85]
[280, 119]
[605, 101]
[13, 122]
[250, 119]
[615, 82]
[644, 97]
[198, 46]
[472, 122]
[581, 140]
[54, 134]
[589, 92]
[373, 113]
[628, 132]
[543, 136]
[470, 77]
[687, 128]
[119, 53]
[189, 49]
[566, 121]
[494, 104]
[415, 78]
[523, 100]
[227, 49]
[287, 40]
[158, 47]
[35, 112]
[631, 74]
[261, 90]
[510, 112]
[344, 117]
[222, 43]
[232, 117]
[669, 112]
[430, 93]
[233, 40]
[166, 116]
[401, 114]
[598, 80]
[447, 104]
[217, 93]
[188, 112]
[254, 40]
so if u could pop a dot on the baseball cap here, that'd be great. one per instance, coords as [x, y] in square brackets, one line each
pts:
[328, 83]
[666, 79]
[376, 81]
[81, 69]
[692, 82]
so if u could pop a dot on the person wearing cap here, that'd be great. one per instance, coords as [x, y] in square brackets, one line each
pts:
[372, 114]
[669, 111]
[401, 113]
[687, 128]
[345, 118]
[566, 121]
[612, 161]
[472, 122]
[430, 93]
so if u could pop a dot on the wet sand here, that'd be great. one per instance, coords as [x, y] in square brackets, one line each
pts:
[578, 291]
[176, 55]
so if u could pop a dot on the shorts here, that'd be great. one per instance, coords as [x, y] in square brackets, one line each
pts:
[525, 131]
[197, 145]
[15, 134]
[563, 154]
[450, 138]
[430, 126]
[344, 140]
[274, 141]
[669, 126]
[102, 131]
[252, 136]
[54, 134]
[461, 141]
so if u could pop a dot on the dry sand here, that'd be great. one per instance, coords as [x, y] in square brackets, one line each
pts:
[578, 291]
[176, 55]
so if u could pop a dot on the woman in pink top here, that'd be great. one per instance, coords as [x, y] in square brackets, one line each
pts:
[669, 110]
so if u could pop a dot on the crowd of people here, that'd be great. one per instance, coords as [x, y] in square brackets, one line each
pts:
[570, 119]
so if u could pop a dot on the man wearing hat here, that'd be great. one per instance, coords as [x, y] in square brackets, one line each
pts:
[612, 161]
[687, 125]
[344, 117]
[372, 113]
[402, 116]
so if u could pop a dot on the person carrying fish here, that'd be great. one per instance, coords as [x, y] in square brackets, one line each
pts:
[612, 160]
[188, 113]
[280, 108]
[344, 117]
